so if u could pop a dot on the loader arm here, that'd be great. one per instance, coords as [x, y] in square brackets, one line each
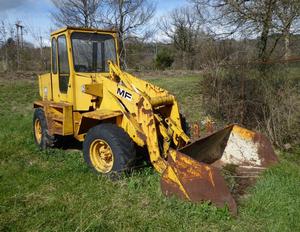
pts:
[157, 98]
[151, 102]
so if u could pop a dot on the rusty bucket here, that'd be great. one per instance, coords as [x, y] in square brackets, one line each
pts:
[193, 172]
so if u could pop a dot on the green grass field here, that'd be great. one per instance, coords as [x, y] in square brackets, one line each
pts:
[54, 190]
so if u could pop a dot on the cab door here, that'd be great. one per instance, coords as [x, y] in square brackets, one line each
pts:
[60, 70]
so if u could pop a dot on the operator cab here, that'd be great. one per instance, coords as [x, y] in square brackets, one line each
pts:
[77, 56]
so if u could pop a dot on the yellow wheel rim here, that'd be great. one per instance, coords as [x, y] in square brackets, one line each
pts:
[38, 131]
[101, 156]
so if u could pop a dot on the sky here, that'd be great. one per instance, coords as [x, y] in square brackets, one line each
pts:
[35, 15]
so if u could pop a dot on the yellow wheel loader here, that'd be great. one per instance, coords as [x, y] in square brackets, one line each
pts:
[86, 95]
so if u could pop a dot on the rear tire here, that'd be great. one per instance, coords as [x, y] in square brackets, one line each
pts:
[40, 130]
[108, 149]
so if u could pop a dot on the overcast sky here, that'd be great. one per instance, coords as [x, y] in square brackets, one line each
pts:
[35, 14]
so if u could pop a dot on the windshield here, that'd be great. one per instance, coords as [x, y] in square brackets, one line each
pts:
[91, 51]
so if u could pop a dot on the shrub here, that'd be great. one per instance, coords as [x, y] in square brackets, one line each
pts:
[265, 99]
[164, 59]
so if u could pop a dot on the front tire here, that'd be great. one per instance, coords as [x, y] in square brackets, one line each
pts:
[108, 149]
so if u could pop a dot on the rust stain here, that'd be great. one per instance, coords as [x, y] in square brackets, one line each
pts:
[209, 127]
[145, 111]
[141, 135]
[196, 130]
[140, 103]
[210, 175]
[265, 150]
[200, 181]
[151, 122]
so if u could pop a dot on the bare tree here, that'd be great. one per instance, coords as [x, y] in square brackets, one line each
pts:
[81, 13]
[8, 45]
[3, 47]
[255, 17]
[40, 38]
[128, 17]
[287, 15]
[183, 28]
[259, 18]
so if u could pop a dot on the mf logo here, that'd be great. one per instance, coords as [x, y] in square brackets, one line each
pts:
[124, 94]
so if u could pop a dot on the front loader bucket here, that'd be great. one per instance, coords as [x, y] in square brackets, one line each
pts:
[193, 172]
[233, 145]
[195, 181]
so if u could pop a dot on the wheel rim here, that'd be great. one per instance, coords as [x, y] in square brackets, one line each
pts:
[38, 131]
[101, 156]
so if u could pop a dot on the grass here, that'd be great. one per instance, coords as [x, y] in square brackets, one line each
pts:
[53, 190]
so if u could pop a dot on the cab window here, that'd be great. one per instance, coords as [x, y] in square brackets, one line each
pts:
[63, 64]
[91, 51]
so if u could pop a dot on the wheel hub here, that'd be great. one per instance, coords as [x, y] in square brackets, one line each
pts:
[38, 130]
[101, 156]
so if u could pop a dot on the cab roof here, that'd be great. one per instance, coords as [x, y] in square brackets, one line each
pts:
[82, 29]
